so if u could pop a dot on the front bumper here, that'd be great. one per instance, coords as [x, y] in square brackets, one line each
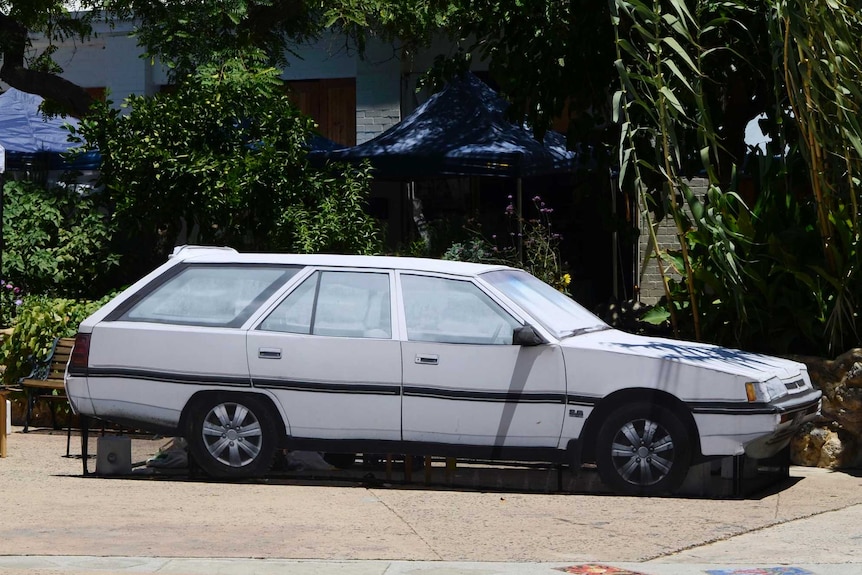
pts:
[757, 430]
[792, 413]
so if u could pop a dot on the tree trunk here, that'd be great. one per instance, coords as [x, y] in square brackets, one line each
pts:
[70, 97]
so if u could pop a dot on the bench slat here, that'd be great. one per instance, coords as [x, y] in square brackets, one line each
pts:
[44, 383]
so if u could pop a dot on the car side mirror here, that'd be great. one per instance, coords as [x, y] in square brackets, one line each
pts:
[527, 335]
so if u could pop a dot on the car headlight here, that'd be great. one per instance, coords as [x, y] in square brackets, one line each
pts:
[754, 392]
[764, 391]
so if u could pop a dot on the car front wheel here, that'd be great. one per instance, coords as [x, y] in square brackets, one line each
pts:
[643, 449]
[232, 437]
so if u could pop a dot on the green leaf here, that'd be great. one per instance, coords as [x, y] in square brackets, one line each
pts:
[656, 316]
[676, 47]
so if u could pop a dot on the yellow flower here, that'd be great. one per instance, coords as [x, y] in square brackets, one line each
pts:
[567, 279]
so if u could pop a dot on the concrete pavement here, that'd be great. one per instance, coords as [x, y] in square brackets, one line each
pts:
[54, 521]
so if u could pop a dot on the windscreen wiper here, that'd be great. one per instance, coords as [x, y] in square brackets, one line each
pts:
[583, 330]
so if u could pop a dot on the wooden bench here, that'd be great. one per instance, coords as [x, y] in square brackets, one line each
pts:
[46, 380]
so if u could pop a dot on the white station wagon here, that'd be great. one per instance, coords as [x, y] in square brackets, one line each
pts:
[243, 354]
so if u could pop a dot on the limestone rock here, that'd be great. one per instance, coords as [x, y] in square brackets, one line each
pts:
[820, 446]
[836, 440]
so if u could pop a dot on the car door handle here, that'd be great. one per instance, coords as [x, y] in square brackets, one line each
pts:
[269, 353]
[426, 359]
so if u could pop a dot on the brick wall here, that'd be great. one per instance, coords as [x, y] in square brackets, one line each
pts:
[378, 91]
[649, 278]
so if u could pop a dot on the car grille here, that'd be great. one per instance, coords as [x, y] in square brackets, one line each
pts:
[797, 384]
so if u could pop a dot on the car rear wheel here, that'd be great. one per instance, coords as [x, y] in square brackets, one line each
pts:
[232, 437]
[643, 449]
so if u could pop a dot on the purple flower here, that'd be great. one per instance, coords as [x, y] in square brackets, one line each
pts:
[537, 199]
[9, 286]
[17, 290]
[19, 301]
[510, 209]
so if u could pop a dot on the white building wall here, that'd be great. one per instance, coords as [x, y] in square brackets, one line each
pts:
[326, 58]
[124, 71]
[111, 59]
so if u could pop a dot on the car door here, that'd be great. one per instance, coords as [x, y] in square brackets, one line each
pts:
[327, 352]
[464, 382]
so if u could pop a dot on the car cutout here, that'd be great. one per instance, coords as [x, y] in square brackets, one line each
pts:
[244, 354]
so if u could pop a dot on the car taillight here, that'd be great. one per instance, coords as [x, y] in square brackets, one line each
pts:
[80, 354]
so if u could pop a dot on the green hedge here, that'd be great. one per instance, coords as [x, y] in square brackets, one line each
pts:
[40, 319]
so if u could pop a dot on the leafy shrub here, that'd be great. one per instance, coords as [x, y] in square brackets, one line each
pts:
[223, 160]
[529, 243]
[10, 298]
[55, 241]
[41, 319]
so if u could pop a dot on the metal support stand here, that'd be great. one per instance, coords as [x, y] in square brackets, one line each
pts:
[85, 442]
[738, 474]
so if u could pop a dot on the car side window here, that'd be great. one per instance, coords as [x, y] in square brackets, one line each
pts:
[208, 295]
[336, 304]
[453, 311]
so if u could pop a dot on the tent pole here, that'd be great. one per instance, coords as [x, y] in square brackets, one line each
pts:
[519, 195]
[615, 243]
[2, 201]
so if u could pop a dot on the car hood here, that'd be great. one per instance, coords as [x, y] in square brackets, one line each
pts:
[753, 366]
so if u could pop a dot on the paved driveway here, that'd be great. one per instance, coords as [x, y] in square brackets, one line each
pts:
[48, 508]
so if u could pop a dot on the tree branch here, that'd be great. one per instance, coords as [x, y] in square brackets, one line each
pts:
[71, 98]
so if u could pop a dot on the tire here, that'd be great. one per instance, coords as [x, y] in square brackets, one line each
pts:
[643, 449]
[232, 437]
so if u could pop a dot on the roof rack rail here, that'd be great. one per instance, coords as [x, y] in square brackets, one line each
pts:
[186, 250]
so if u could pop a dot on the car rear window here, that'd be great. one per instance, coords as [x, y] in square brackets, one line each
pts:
[207, 295]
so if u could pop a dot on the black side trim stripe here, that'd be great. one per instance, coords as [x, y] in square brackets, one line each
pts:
[488, 396]
[584, 400]
[724, 407]
[323, 387]
[169, 377]
[700, 407]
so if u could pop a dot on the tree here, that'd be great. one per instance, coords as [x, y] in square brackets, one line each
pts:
[551, 59]
[183, 34]
[56, 241]
[36, 73]
[222, 160]
[778, 272]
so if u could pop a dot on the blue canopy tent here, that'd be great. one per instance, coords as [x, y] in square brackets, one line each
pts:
[32, 143]
[460, 131]
[30, 139]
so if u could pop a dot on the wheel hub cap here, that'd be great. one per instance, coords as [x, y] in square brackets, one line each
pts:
[642, 452]
[232, 434]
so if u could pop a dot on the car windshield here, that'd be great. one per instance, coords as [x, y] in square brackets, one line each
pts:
[557, 312]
